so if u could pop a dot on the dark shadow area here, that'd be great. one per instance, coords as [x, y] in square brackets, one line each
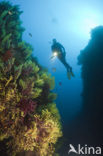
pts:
[87, 128]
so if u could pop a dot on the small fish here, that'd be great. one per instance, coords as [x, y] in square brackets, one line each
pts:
[60, 83]
[9, 12]
[54, 20]
[30, 34]
[54, 69]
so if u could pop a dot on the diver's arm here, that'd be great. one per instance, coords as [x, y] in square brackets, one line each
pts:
[52, 57]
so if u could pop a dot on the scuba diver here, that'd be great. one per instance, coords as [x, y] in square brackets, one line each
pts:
[59, 51]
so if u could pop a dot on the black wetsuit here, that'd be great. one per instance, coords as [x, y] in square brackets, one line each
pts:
[57, 47]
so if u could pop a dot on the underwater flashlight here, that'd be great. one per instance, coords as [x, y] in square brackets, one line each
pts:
[55, 54]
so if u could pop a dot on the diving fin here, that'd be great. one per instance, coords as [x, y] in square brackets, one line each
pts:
[72, 74]
[69, 75]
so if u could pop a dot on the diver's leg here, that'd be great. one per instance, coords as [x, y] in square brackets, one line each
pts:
[69, 70]
[68, 67]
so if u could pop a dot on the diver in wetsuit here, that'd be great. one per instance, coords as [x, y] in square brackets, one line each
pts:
[59, 51]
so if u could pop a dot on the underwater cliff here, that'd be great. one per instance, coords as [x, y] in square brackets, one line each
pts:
[91, 61]
[29, 118]
[87, 127]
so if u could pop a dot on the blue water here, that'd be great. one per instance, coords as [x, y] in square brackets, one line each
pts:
[65, 21]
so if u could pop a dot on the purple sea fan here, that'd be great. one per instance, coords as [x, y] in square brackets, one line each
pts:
[27, 90]
[27, 71]
[27, 106]
[7, 56]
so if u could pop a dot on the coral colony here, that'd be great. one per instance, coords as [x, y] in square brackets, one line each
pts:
[29, 119]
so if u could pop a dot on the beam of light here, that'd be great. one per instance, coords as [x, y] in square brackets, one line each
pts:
[89, 24]
[54, 55]
[81, 23]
